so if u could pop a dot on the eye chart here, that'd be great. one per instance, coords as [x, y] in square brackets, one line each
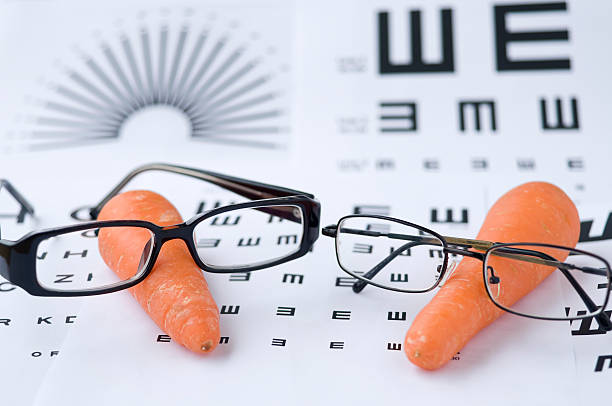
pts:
[426, 111]
[187, 75]
[471, 87]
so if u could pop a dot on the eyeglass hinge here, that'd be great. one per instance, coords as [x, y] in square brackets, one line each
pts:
[329, 231]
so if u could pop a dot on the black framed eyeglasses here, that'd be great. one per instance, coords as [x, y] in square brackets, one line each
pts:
[396, 255]
[277, 225]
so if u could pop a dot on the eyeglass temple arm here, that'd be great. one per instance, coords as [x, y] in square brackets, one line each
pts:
[246, 188]
[544, 259]
[332, 230]
[521, 254]
[361, 284]
[26, 207]
[602, 318]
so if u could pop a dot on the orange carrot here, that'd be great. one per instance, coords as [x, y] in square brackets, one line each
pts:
[175, 293]
[532, 212]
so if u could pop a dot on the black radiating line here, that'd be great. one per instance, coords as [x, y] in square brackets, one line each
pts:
[93, 65]
[244, 143]
[146, 54]
[66, 134]
[238, 119]
[161, 69]
[216, 75]
[112, 60]
[220, 71]
[208, 60]
[73, 111]
[189, 67]
[58, 122]
[237, 93]
[44, 146]
[175, 64]
[211, 88]
[85, 101]
[201, 132]
[228, 82]
[91, 88]
[129, 53]
[247, 104]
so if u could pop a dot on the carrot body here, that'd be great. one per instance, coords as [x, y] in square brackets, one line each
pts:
[532, 212]
[175, 294]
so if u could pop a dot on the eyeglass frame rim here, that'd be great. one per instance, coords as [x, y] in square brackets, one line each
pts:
[601, 308]
[21, 254]
[406, 223]
[484, 254]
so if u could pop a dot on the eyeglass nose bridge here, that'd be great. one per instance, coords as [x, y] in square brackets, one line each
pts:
[173, 232]
[184, 232]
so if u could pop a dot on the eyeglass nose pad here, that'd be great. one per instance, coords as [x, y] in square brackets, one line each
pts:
[451, 269]
[493, 282]
[144, 258]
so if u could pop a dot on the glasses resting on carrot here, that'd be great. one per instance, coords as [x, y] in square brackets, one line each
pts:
[273, 226]
[393, 254]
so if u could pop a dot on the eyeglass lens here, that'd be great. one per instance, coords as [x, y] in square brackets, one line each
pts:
[250, 236]
[389, 253]
[73, 261]
[564, 277]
